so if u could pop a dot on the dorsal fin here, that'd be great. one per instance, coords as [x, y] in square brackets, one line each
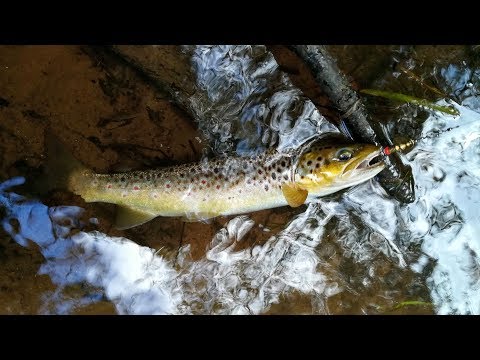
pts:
[127, 218]
[294, 195]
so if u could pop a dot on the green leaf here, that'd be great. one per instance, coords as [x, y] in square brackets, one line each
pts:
[411, 303]
[411, 100]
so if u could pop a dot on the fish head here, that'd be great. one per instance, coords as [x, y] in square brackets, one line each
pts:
[327, 166]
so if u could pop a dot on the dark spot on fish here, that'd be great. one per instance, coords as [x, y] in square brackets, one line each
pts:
[309, 162]
[279, 170]
[319, 158]
[327, 162]
[302, 177]
[317, 165]
[283, 163]
[260, 172]
[254, 178]
[182, 175]
[122, 179]
[266, 187]
[215, 170]
[311, 171]
[285, 177]
[274, 176]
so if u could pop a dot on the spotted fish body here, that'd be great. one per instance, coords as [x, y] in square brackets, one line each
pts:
[231, 185]
[196, 191]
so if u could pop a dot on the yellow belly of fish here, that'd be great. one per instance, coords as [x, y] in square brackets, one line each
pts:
[198, 205]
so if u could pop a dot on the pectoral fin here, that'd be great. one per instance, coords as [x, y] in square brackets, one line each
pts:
[294, 196]
[127, 217]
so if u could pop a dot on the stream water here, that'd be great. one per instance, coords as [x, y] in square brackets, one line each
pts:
[355, 252]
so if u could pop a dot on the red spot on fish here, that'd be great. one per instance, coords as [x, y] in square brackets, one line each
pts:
[218, 186]
[167, 186]
[260, 172]
[109, 186]
[203, 182]
[136, 188]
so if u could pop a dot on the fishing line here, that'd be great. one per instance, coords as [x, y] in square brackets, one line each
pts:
[389, 150]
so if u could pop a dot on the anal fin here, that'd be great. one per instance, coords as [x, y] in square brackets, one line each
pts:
[198, 217]
[127, 218]
[294, 195]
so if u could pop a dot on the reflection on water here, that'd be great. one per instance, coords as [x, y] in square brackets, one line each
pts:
[247, 105]
[355, 252]
[133, 277]
[445, 218]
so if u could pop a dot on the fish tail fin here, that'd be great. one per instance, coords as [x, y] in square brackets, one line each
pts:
[61, 170]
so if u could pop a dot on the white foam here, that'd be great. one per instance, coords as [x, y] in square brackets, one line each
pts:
[131, 276]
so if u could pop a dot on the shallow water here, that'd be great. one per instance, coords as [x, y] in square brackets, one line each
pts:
[358, 251]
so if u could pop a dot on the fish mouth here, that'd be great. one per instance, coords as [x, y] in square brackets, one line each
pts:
[371, 164]
[372, 161]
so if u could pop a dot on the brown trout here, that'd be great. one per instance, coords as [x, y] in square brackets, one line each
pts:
[230, 185]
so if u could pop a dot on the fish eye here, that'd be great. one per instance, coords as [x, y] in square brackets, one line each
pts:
[344, 154]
